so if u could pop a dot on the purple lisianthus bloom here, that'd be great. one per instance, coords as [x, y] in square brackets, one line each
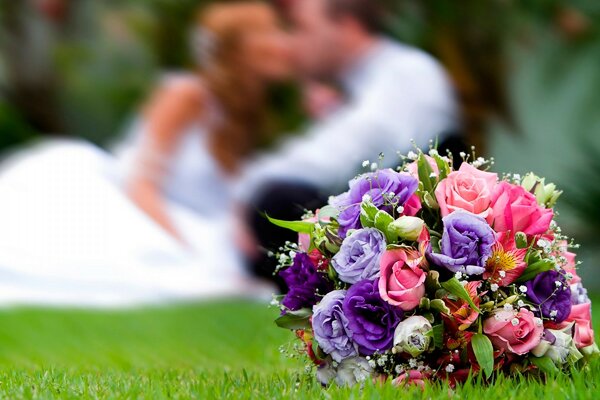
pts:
[371, 320]
[330, 326]
[359, 255]
[397, 188]
[579, 294]
[551, 294]
[466, 243]
[305, 283]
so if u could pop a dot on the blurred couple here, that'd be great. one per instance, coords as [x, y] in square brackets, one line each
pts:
[175, 211]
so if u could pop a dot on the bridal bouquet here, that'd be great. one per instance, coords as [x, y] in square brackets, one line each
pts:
[429, 273]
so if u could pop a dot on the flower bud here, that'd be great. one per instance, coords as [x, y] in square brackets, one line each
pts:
[521, 240]
[407, 228]
[413, 335]
[558, 345]
[546, 194]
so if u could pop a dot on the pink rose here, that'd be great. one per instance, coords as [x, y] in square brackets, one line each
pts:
[402, 281]
[412, 377]
[412, 206]
[514, 331]
[583, 334]
[413, 168]
[515, 209]
[304, 238]
[466, 189]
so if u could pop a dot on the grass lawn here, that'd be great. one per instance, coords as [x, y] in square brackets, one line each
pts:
[219, 350]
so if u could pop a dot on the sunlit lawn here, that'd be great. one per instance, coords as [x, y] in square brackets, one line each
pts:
[218, 350]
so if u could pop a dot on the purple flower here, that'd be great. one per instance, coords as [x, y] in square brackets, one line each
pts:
[579, 294]
[386, 182]
[359, 255]
[371, 320]
[550, 292]
[330, 326]
[306, 285]
[466, 243]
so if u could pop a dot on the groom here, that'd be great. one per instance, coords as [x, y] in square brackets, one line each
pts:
[394, 93]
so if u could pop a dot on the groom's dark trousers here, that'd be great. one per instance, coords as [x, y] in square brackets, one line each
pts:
[288, 201]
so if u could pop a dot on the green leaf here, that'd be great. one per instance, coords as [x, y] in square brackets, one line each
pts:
[432, 281]
[382, 222]
[296, 226]
[424, 170]
[438, 335]
[443, 167]
[484, 352]
[457, 289]
[368, 210]
[534, 269]
[439, 305]
[545, 364]
[299, 319]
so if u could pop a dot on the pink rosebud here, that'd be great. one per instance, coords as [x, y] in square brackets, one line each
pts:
[516, 210]
[514, 331]
[412, 206]
[467, 189]
[583, 334]
[413, 168]
[412, 377]
[402, 281]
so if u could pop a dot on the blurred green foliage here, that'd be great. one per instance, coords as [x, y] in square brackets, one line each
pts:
[533, 63]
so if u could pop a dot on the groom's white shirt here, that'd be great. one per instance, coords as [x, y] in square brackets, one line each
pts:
[396, 93]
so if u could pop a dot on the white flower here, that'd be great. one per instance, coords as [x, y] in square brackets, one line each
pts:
[413, 335]
[412, 155]
[449, 368]
[326, 373]
[374, 166]
[543, 243]
[502, 274]
[514, 321]
[494, 287]
[508, 307]
[366, 163]
[408, 228]
[433, 152]
[523, 289]
[458, 275]
[352, 371]
[558, 345]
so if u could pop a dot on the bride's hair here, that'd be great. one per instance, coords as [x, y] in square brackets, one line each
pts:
[219, 42]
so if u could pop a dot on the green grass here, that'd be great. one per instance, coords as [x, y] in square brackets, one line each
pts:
[218, 350]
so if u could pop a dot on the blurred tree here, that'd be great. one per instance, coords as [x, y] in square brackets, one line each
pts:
[31, 81]
[473, 39]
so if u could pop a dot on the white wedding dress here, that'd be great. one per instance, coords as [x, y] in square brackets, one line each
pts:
[70, 236]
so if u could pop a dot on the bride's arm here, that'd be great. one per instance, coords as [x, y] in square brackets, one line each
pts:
[168, 113]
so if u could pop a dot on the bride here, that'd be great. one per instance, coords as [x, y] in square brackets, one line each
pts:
[149, 221]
